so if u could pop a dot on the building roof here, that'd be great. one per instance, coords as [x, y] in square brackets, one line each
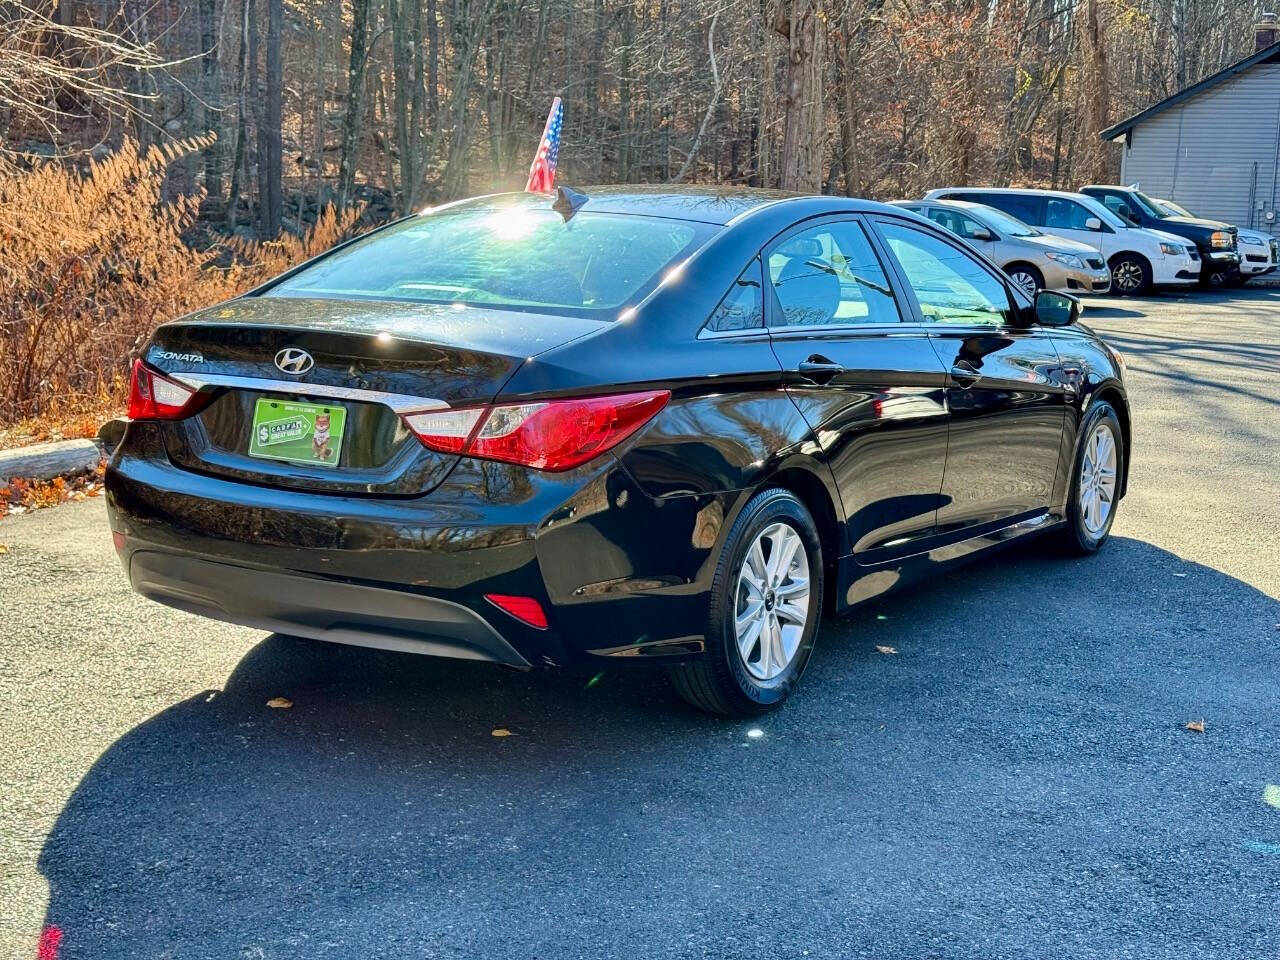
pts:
[1269, 54]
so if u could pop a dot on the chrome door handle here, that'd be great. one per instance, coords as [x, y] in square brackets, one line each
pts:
[965, 373]
[820, 369]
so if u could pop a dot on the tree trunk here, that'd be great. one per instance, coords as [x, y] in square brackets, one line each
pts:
[803, 134]
[210, 84]
[355, 87]
[351, 123]
[271, 174]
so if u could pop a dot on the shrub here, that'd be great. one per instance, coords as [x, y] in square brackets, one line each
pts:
[91, 263]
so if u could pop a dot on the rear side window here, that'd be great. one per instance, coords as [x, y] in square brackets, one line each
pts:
[829, 275]
[742, 307]
[950, 285]
[513, 255]
[1027, 209]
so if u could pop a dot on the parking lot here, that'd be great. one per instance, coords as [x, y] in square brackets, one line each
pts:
[1016, 780]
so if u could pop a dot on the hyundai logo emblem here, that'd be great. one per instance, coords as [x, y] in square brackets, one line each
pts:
[294, 360]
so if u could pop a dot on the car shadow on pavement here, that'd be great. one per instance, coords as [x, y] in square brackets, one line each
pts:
[1008, 739]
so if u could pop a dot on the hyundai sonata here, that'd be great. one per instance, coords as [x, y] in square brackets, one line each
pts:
[675, 426]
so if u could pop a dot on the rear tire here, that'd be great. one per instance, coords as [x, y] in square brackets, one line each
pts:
[1025, 277]
[769, 579]
[1130, 275]
[1096, 473]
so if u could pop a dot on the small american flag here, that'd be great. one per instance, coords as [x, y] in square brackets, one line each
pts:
[542, 175]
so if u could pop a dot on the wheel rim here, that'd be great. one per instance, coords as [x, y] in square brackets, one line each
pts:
[772, 601]
[1025, 280]
[1127, 275]
[1098, 479]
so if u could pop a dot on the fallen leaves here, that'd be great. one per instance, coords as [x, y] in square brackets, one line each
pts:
[501, 732]
[1196, 726]
[279, 703]
[21, 494]
[883, 649]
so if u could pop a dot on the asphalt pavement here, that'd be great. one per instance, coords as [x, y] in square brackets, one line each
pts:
[1015, 781]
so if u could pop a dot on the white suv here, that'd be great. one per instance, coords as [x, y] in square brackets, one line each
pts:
[1138, 258]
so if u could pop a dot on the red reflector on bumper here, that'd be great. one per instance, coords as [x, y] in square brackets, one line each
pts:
[525, 609]
[117, 540]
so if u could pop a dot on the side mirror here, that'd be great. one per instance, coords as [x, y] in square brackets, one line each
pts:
[1094, 224]
[982, 235]
[1053, 309]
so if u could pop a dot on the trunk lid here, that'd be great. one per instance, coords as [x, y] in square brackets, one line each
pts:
[370, 362]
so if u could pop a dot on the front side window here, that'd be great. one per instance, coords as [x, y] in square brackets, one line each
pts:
[959, 224]
[950, 285]
[506, 255]
[742, 307]
[1063, 214]
[829, 274]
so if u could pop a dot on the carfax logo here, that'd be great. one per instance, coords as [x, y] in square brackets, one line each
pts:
[181, 357]
[282, 431]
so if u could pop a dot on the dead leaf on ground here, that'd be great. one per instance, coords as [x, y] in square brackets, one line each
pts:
[280, 703]
[4, 548]
[886, 649]
[1196, 726]
[501, 732]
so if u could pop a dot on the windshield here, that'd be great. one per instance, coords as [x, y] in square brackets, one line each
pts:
[1146, 203]
[1103, 213]
[1001, 222]
[506, 256]
[1175, 209]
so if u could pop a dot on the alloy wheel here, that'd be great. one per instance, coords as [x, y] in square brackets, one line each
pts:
[1098, 479]
[1025, 282]
[772, 601]
[1127, 275]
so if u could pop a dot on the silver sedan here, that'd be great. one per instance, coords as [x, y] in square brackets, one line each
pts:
[1033, 260]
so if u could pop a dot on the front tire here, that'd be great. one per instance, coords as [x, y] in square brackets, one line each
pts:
[1130, 275]
[1095, 481]
[766, 603]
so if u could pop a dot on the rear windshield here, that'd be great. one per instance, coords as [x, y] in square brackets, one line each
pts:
[513, 256]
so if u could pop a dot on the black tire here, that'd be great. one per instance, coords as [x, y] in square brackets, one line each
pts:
[1215, 278]
[1031, 272]
[1130, 275]
[1238, 280]
[719, 682]
[1075, 536]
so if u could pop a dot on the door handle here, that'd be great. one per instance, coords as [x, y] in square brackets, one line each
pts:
[819, 369]
[965, 373]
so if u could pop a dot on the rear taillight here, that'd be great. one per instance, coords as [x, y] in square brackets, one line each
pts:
[548, 435]
[153, 396]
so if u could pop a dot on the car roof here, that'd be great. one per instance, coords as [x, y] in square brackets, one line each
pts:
[704, 203]
[1025, 191]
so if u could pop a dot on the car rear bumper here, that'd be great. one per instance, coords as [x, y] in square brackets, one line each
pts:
[617, 573]
[334, 610]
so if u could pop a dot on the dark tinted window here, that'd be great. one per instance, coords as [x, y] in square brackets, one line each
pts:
[1027, 209]
[951, 286]
[829, 274]
[742, 307]
[514, 255]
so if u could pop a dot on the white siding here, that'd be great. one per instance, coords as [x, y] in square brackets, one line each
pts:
[1202, 152]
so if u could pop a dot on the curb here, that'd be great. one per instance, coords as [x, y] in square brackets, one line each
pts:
[60, 458]
[44, 461]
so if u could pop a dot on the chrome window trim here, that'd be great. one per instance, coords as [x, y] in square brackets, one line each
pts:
[399, 402]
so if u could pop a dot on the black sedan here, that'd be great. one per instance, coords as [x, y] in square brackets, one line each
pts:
[612, 427]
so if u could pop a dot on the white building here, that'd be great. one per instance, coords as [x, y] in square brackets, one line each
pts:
[1215, 146]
